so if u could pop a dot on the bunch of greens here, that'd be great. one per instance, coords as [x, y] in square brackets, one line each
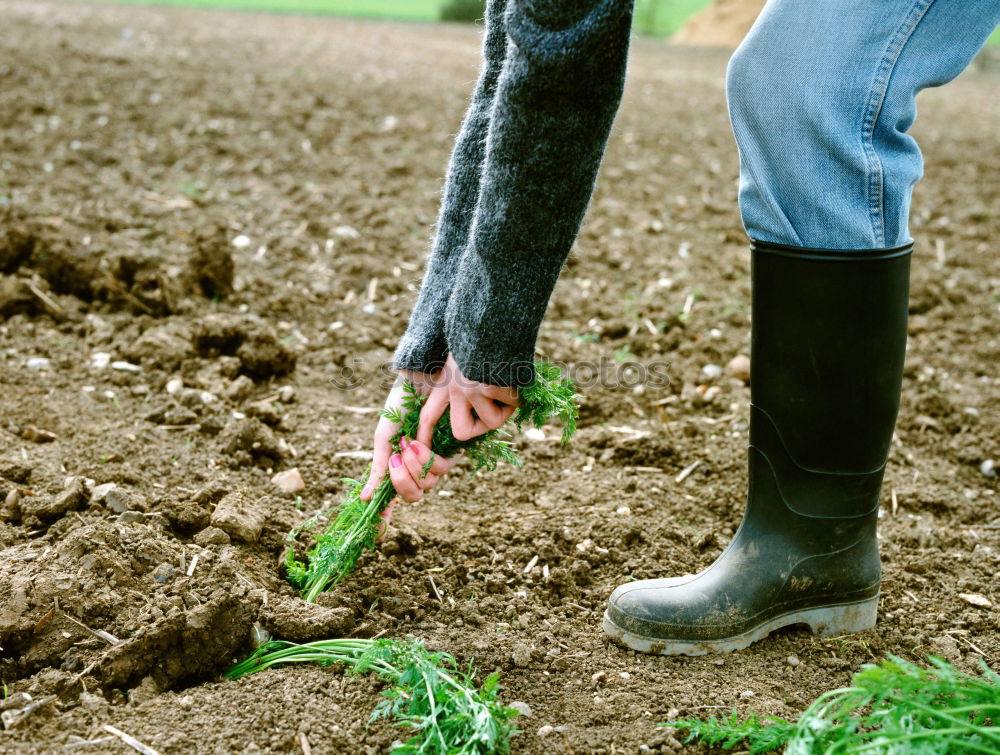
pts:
[429, 693]
[356, 525]
[894, 707]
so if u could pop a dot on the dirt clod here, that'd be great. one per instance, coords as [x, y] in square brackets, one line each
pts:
[210, 263]
[239, 517]
[49, 508]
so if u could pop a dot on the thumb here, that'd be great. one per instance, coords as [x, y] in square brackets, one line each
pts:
[431, 412]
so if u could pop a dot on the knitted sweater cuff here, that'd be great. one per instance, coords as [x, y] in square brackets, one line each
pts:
[422, 348]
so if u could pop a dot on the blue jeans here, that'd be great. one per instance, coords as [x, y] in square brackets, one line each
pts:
[821, 96]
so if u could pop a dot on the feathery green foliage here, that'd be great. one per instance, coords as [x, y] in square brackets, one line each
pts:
[429, 693]
[356, 525]
[892, 708]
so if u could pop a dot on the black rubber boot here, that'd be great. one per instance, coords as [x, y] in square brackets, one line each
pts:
[829, 336]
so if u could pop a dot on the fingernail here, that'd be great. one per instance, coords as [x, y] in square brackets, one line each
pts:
[416, 446]
[395, 460]
[403, 443]
[366, 491]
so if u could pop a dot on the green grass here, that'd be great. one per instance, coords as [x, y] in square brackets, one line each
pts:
[657, 17]
[407, 10]
[661, 18]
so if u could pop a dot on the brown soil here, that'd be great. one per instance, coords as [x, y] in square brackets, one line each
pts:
[724, 23]
[139, 143]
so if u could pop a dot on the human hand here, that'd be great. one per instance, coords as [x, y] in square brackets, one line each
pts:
[476, 408]
[406, 467]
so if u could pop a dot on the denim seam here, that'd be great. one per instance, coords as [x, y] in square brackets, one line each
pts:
[873, 109]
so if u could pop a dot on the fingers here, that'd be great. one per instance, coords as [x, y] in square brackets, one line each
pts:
[463, 425]
[381, 450]
[489, 411]
[433, 408]
[415, 456]
[508, 396]
[407, 487]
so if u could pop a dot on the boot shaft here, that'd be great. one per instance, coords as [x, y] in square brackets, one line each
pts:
[828, 344]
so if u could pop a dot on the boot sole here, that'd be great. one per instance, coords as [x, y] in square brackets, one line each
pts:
[827, 620]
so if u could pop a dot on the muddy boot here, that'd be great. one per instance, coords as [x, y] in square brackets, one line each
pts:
[829, 335]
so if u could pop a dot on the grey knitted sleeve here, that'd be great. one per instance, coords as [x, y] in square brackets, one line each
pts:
[556, 98]
[423, 347]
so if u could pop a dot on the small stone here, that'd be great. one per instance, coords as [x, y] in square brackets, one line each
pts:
[739, 368]
[290, 481]
[99, 360]
[534, 433]
[286, 394]
[521, 707]
[99, 494]
[544, 731]
[186, 702]
[211, 536]
[123, 366]
[624, 675]
[623, 511]
[747, 693]
[174, 385]
[131, 517]
[369, 308]
[975, 599]
[164, 573]
[988, 468]
[241, 242]
[37, 435]
[120, 500]
[521, 655]
[239, 517]
[10, 511]
[598, 676]
[37, 363]
[792, 660]
[346, 232]
[711, 371]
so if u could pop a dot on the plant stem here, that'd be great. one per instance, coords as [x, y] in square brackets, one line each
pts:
[381, 498]
[929, 733]
[942, 715]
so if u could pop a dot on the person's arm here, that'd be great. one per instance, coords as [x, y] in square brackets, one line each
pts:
[423, 347]
[556, 98]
